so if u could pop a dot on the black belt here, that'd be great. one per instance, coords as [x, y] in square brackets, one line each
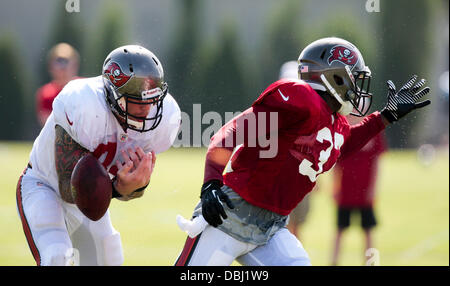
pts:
[29, 166]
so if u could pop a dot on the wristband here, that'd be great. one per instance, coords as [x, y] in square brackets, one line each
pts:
[141, 189]
[116, 194]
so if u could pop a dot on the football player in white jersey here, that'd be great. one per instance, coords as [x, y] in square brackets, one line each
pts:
[124, 118]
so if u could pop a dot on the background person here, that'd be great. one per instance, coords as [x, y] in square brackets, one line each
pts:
[354, 189]
[63, 66]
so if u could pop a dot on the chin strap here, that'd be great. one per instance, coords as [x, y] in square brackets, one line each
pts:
[346, 106]
[316, 86]
[123, 105]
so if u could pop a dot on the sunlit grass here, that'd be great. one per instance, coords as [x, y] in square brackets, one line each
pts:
[412, 208]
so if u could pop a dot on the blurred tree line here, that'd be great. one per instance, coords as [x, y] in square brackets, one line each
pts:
[218, 74]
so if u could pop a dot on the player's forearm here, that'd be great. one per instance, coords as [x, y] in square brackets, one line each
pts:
[219, 151]
[385, 121]
[361, 133]
[216, 160]
[67, 154]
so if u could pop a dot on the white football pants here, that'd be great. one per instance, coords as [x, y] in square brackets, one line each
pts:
[58, 233]
[213, 247]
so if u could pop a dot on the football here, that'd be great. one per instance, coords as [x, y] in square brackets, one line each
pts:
[91, 187]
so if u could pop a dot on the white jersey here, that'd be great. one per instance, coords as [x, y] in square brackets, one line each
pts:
[81, 109]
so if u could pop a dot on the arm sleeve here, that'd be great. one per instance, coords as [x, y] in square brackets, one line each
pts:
[220, 146]
[361, 133]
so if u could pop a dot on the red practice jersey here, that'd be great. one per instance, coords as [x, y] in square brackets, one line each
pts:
[45, 96]
[310, 138]
[355, 176]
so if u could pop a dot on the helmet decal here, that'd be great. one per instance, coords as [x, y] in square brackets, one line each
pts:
[115, 74]
[344, 55]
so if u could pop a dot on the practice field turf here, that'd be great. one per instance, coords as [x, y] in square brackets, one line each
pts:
[412, 207]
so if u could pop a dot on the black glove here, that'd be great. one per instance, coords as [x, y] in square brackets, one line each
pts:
[212, 198]
[405, 100]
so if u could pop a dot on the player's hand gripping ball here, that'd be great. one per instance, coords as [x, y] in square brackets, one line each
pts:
[91, 187]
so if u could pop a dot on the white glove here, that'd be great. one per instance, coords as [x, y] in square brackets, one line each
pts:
[192, 227]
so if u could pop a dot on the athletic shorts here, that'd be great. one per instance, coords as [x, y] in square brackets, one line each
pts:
[367, 216]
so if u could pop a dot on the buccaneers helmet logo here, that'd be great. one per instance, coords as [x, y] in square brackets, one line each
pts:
[115, 74]
[344, 55]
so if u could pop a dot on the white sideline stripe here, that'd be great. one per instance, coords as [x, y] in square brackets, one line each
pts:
[425, 245]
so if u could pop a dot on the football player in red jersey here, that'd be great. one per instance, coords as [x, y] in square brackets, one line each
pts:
[249, 191]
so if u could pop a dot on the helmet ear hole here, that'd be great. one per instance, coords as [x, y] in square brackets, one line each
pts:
[338, 80]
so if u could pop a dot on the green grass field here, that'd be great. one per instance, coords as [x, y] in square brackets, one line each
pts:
[412, 208]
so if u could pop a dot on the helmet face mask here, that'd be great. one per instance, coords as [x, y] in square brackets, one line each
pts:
[136, 122]
[336, 66]
[363, 99]
[134, 82]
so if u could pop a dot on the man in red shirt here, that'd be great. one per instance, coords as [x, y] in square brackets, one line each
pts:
[63, 64]
[252, 183]
[354, 188]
